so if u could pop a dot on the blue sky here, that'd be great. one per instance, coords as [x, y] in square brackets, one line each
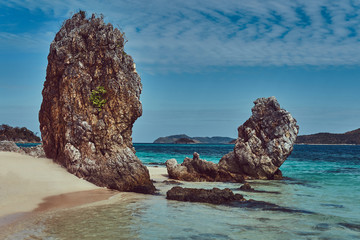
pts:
[202, 63]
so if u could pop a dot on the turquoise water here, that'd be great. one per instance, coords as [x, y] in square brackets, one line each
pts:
[319, 199]
[150, 153]
[26, 145]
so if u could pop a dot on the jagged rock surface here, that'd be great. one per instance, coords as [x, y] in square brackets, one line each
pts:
[9, 146]
[198, 170]
[264, 142]
[92, 142]
[37, 151]
[214, 196]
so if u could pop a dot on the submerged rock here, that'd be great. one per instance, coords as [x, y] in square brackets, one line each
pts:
[246, 187]
[214, 196]
[265, 140]
[172, 182]
[90, 103]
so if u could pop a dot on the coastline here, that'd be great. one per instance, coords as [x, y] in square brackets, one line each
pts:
[29, 186]
[27, 183]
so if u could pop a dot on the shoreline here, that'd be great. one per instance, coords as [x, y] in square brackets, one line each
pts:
[31, 186]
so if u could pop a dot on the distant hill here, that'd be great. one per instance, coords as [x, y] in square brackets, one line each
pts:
[352, 137]
[17, 134]
[185, 139]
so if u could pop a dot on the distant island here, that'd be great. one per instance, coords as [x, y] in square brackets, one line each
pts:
[351, 137]
[17, 134]
[185, 139]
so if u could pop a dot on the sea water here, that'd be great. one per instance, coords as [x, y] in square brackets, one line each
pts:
[318, 199]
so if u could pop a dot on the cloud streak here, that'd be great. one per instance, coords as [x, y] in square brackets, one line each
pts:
[195, 34]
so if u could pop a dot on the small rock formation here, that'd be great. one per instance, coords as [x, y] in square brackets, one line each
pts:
[246, 187]
[172, 182]
[9, 146]
[37, 151]
[90, 103]
[214, 196]
[198, 170]
[264, 142]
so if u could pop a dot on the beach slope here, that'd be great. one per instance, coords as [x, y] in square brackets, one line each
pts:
[26, 181]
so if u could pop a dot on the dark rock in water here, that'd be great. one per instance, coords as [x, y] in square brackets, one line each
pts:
[225, 196]
[199, 170]
[215, 195]
[37, 151]
[246, 187]
[277, 175]
[90, 103]
[172, 182]
[266, 206]
[9, 146]
[322, 227]
[352, 226]
[264, 141]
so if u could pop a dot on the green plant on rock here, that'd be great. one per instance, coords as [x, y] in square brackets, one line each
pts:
[97, 97]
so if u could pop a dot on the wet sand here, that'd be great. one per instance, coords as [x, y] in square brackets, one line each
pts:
[31, 185]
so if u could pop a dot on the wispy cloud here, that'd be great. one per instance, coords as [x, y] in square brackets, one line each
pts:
[193, 34]
[25, 41]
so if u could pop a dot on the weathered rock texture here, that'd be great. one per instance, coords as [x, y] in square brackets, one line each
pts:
[9, 146]
[264, 142]
[198, 170]
[37, 151]
[214, 196]
[91, 142]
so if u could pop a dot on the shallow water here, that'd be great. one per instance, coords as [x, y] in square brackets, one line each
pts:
[318, 200]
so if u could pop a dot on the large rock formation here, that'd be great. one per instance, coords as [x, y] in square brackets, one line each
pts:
[90, 102]
[264, 142]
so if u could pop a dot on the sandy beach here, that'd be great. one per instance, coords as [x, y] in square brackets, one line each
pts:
[29, 184]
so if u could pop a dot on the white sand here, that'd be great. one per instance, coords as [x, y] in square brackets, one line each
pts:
[28, 184]
[158, 174]
[25, 181]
